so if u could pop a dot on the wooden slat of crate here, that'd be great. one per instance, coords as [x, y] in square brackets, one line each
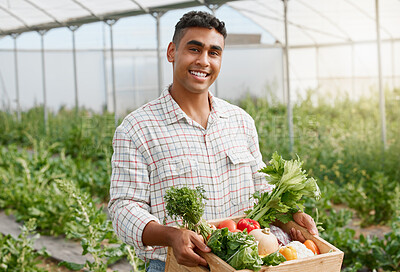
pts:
[330, 259]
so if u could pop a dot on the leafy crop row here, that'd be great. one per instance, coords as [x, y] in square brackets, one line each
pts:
[339, 142]
[341, 146]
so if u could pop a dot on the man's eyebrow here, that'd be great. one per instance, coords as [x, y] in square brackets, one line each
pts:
[216, 47]
[194, 42]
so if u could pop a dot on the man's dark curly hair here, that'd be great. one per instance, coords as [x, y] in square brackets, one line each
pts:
[197, 19]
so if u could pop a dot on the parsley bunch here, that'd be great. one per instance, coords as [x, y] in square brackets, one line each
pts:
[187, 204]
[291, 183]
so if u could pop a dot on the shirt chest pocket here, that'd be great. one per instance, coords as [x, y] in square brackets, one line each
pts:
[241, 176]
[177, 171]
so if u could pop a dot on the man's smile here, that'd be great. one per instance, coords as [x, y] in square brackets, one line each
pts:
[198, 73]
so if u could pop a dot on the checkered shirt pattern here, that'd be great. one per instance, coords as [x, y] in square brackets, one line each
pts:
[158, 146]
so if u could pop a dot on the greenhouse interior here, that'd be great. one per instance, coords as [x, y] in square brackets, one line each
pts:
[320, 79]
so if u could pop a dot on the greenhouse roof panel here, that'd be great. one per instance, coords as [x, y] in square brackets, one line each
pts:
[20, 16]
[320, 22]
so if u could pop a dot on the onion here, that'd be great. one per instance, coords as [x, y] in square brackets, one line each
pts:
[267, 242]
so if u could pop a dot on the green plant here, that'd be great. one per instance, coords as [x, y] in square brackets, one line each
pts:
[18, 255]
[96, 233]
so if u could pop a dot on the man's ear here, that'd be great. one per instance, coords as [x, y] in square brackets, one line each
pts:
[171, 52]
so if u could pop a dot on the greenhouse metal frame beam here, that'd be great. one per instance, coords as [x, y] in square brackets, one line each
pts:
[75, 73]
[15, 36]
[110, 23]
[381, 93]
[289, 105]
[45, 116]
[157, 16]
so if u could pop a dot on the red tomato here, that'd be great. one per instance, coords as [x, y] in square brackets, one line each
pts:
[228, 223]
[247, 223]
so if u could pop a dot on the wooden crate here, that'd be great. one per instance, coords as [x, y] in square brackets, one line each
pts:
[330, 259]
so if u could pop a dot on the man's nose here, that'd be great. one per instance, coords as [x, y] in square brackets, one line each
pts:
[203, 59]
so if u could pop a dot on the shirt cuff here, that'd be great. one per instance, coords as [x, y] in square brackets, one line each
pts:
[138, 228]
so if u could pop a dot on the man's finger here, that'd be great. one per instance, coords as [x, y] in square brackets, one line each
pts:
[310, 225]
[197, 258]
[199, 243]
[306, 221]
[297, 235]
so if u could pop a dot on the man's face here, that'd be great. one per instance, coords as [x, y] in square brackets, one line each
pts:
[196, 60]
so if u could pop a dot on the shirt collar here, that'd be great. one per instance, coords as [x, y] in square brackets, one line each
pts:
[173, 113]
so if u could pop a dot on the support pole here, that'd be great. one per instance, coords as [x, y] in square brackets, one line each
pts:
[213, 9]
[393, 64]
[284, 95]
[110, 23]
[73, 29]
[353, 70]
[105, 69]
[45, 117]
[381, 91]
[289, 106]
[317, 66]
[157, 16]
[15, 36]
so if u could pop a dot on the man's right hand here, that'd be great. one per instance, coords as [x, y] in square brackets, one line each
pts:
[183, 242]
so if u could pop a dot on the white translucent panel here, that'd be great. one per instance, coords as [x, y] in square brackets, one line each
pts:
[157, 3]
[7, 21]
[27, 14]
[61, 10]
[313, 22]
[101, 7]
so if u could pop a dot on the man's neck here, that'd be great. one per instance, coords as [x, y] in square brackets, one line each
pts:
[196, 106]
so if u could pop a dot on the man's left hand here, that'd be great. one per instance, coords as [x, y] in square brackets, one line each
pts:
[306, 221]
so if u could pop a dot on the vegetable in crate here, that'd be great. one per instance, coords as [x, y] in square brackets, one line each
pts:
[267, 242]
[238, 249]
[291, 184]
[273, 259]
[247, 223]
[187, 204]
[228, 223]
[310, 244]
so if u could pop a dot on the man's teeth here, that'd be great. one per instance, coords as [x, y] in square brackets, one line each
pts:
[199, 74]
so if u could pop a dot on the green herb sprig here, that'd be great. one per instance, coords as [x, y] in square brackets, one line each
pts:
[187, 204]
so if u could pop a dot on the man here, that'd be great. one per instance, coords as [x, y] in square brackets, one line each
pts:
[186, 137]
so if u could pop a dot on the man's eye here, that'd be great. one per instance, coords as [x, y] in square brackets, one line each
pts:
[194, 49]
[214, 53]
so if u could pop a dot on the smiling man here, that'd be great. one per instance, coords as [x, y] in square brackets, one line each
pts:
[186, 137]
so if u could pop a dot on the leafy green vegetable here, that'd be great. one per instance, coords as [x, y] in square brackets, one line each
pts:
[238, 249]
[186, 204]
[273, 259]
[291, 183]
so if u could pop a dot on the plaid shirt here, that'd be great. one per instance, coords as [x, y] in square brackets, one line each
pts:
[158, 146]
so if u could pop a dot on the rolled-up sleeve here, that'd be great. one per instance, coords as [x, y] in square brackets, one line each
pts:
[129, 205]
